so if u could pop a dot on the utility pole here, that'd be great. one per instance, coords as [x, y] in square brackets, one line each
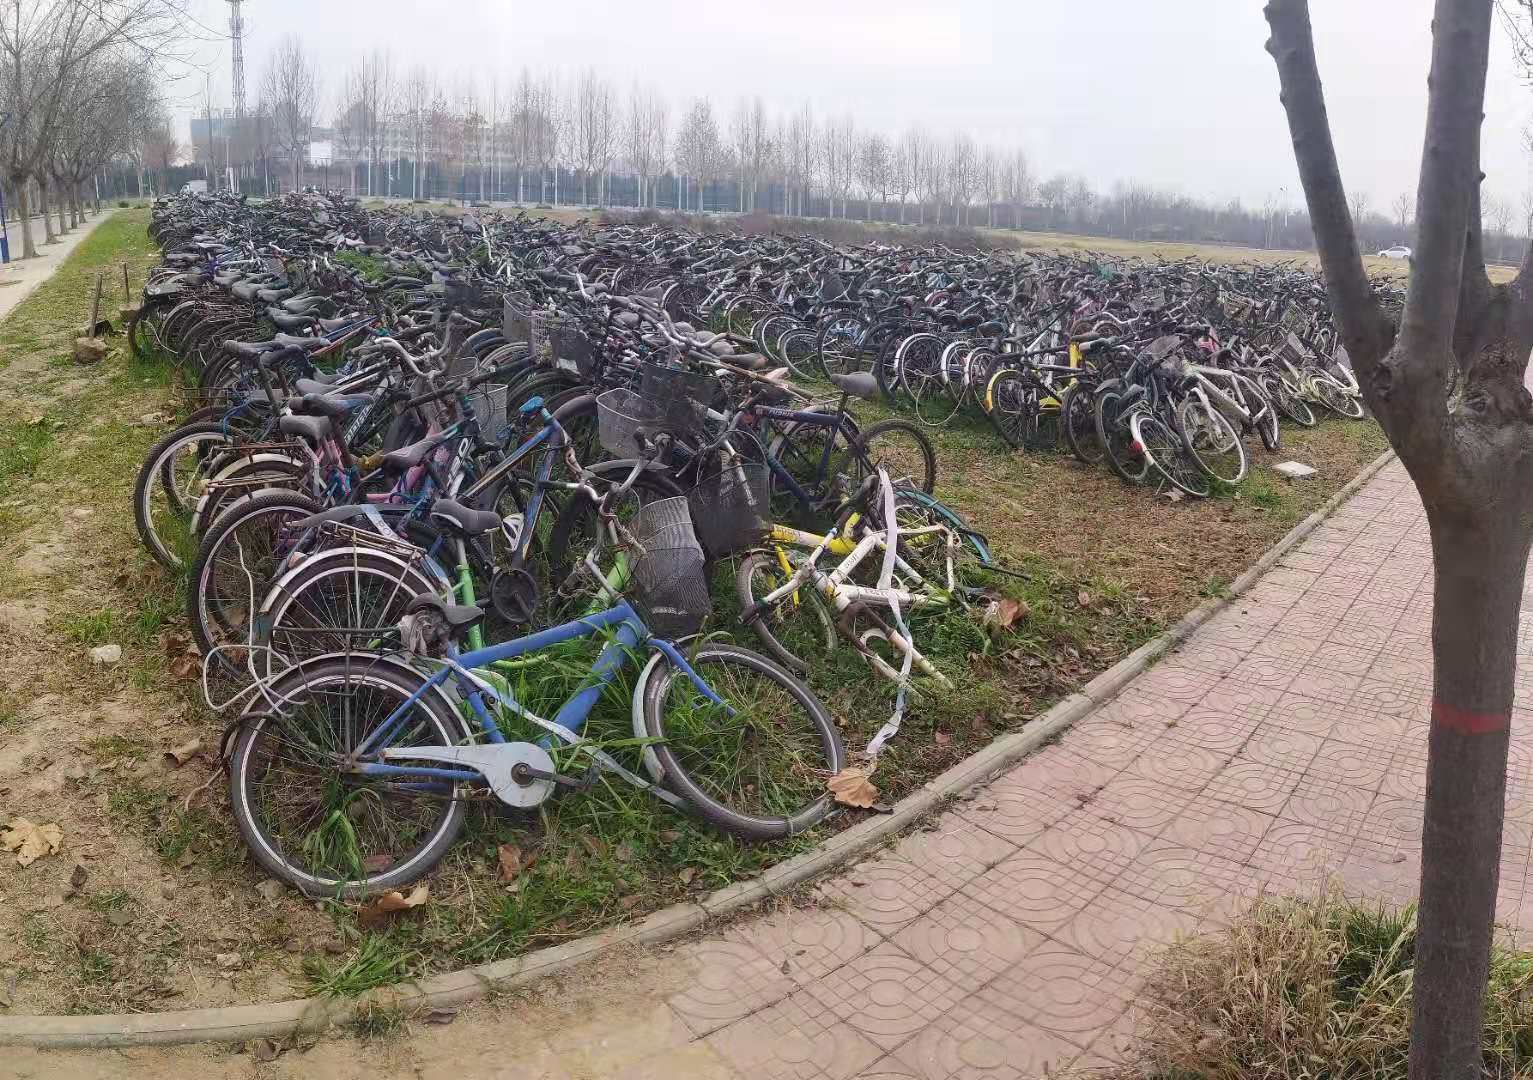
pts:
[236, 80]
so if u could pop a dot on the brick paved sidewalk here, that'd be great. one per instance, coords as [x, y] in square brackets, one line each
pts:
[1286, 740]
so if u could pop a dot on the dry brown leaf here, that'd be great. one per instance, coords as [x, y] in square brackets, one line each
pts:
[1084, 598]
[628, 903]
[510, 858]
[378, 909]
[688, 875]
[178, 756]
[942, 738]
[595, 846]
[31, 842]
[851, 787]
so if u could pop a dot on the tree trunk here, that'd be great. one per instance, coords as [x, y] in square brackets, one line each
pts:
[23, 216]
[45, 211]
[1474, 643]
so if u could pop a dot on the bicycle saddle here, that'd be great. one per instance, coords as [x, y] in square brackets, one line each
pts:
[859, 384]
[328, 404]
[407, 457]
[313, 429]
[463, 519]
[749, 361]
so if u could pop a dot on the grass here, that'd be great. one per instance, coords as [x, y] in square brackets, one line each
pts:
[1316, 987]
[379, 961]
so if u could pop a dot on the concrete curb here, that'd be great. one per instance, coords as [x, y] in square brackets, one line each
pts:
[279, 1020]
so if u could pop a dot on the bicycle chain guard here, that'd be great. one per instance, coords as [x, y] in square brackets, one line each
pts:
[504, 767]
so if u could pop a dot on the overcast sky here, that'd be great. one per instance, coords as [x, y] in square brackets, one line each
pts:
[1178, 93]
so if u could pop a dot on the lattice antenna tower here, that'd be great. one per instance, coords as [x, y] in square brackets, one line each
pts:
[237, 38]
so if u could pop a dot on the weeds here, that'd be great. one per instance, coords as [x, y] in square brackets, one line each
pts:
[1317, 987]
[378, 961]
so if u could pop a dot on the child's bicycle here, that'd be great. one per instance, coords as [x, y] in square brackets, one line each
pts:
[350, 772]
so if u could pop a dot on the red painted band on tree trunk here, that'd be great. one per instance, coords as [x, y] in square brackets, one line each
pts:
[1466, 722]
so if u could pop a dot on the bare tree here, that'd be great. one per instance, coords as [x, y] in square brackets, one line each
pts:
[1497, 214]
[1402, 210]
[962, 169]
[644, 137]
[990, 184]
[1017, 183]
[873, 167]
[370, 102]
[594, 130]
[161, 150]
[699, 150]
[291, 89]
[416, 97]
[350, 124]
[800, 155]
[1447, 386]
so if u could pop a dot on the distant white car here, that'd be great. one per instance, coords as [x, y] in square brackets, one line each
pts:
[1399, 251]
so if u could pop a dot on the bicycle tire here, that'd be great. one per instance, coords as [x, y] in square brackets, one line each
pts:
[1078, 420]
[210, 617]
[1118, 443]
[1206, 450]
[164, 549]
[1166, 453]
[764, 564]
[1012, 407]
[816, 753]
[356, 679]
[866, 453]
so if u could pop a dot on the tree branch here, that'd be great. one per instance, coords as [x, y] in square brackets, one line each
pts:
[1364, 330]
[1450, 172]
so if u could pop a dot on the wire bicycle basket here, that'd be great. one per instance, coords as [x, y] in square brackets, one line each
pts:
[666, 580]
[730, 506]
[488, 402]
[626, 420]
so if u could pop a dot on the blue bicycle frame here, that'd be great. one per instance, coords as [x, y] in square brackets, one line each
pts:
[629, 632]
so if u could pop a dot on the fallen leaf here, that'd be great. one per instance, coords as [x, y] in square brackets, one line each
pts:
[595, 846]
[271, 888]
[1004, 613]
[377, 862]
[178, 756]
[119, 916]
[851, 787]
[76, 880]
[1084, 598]
[624, 852]
[510, 857]
[264, 1050]
[688, 875]
[378, 909]
[785, 967]
[1175, 495]
[942, 738]
[31, 842]
[229, 961]
[628, 903]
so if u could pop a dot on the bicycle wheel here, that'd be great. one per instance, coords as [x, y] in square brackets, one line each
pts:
[1336, 399]
[325, 829]
[899, 446]
[1012, 405]
[1113, 432]
[165, 493]
[796, 349]
[798, 626]
[236, 563]
[754, 766]
[837, 345]
[1079, 423]
[1165, 451]
[1211, 439]
[1263, 411]
[315, 609]
[1287, 401]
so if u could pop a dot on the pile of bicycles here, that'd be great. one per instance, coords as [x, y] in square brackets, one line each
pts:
[433, 470]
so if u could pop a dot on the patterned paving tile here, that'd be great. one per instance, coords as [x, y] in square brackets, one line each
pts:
[1219, 828]
[966, 943]
[1254, 786]
[1014, 814]
[954, 850]
[886, 995]
[1169, 875]
[1109, 744]
[806, 944]
[1326, 804]
[1179, 766]
[1281, 749]
[1215, 730]
[1035, 891]
[1092, 846]
[1062, 990]
[732, 980]
[1119, 927]
[796, 1039]
[886, 893]
[978, 1040]
[1139, 804]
